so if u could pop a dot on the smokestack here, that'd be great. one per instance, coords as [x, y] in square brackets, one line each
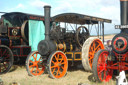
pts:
[124, 12]
[47, 21]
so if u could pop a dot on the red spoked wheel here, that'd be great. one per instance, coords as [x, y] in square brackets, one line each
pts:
[34, 64]
[100, 64]
[6, 59]
[57, 64]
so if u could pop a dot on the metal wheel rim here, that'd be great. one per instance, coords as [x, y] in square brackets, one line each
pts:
[6, 59]
[94, 47]
[35, 67]
[22, 31]
[104, 74]
[58, 65]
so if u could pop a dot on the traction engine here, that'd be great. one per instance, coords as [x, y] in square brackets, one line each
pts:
[65, 47]
[14, 38]
[106, 62]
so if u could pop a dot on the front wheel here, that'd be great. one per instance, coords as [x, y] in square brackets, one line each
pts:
[57, 64]
[34, 64]
[100, 64]
[6, 59]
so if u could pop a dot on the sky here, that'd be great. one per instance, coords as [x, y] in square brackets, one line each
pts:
[109, 9]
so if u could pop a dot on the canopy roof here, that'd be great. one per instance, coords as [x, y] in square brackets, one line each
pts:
[78, 18]
[23, 16]
[17, 18]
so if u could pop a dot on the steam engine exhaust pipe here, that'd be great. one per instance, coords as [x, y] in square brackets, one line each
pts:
[124, 14]
[45, 47]
[47, 21]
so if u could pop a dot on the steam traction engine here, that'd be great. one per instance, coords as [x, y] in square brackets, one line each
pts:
[14, 38]
[105, 62]
[62, 45]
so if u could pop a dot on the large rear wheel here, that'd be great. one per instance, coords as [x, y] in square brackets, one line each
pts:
[90, 47]
[34, 64]
[100, 63]
[6, 59]
[57, 64]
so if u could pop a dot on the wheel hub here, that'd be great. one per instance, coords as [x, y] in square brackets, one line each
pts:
[57, 64]
[35, 63]
[104, 66]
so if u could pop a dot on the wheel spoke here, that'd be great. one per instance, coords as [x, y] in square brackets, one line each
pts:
[4, 65]
[34, 57]
[31, 66]
[38, 69]
[53, 66]
[63, 63]
[32, 69]
[61, 60]
[53, 70]
[53, 62]
[56, 58]
[104, 75]
[62, 67]
[94, 46]
[90, 58]
[97, 47]
[59, 70]
[39, 59]
[100, 71]
[31, 61]
[91, 48]
[4, 52]
[6, 57]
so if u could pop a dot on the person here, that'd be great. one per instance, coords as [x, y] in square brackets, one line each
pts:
[109, 45]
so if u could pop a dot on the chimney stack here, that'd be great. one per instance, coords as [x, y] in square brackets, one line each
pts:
[124, 12]
[47, 21]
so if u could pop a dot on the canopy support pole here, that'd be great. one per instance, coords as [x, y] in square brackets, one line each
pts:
[103, 31]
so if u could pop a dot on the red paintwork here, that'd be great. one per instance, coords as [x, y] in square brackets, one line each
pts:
[21, 50]
[121, 63]
[104, 73]
[125, 43]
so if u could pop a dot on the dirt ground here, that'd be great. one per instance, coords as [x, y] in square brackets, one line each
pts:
[75, 76]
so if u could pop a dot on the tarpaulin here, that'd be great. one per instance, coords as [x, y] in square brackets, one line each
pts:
[36, 33]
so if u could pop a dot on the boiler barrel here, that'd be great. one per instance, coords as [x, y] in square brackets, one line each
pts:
[45, 47]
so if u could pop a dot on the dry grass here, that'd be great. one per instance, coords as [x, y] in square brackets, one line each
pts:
[109, 36]
[74, 76]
